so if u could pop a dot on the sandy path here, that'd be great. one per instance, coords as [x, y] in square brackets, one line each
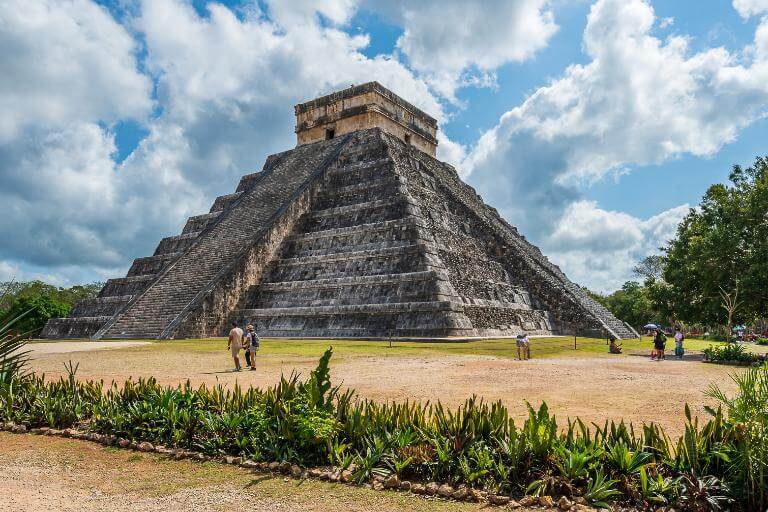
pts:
[67, 347]
[594, 388]
[62, 475]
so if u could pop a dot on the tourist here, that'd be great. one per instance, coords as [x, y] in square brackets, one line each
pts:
[523, 347]
[679, 350]
[253, 342]
[526, 345]
[520, 342]
[235, 343]
[613, 347]
[659, 343]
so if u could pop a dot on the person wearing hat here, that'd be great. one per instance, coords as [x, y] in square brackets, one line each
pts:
[253, 343]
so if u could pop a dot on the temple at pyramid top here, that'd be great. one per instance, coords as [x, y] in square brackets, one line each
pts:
[370, 105]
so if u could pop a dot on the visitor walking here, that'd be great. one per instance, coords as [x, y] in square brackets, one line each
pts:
[235, 343]
[679, 350]
[659, 344]
[253, 342]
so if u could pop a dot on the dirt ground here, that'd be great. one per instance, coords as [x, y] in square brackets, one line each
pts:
[63, 475]
[592, 387]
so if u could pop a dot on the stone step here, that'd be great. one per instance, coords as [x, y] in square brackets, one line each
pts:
[81, 327]
[370, 309]
[248, 180]
[223, 202]
[393, 260]
[384, 234]
[351, 281]
[357, 214]
[176, 244]
[99, 306]
[131, 285]
[362, 172]
[385, 288]
[150, 265]
[380, 188]
[198, 223]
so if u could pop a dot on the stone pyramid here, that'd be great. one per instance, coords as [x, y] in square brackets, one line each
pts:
[357, 232]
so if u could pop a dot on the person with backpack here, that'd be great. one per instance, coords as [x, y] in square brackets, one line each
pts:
[659, 344]
[679, 350]
[253, 342]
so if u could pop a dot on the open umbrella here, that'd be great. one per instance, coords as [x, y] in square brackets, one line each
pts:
[739, 328]
[650, 326]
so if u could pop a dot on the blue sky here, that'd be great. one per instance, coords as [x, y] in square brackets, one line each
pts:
[591, 125]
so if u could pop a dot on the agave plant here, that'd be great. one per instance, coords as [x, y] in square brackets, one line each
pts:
[13, 357]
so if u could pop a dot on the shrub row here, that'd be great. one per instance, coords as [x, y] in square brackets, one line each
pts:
[731, 353]
[720, 463]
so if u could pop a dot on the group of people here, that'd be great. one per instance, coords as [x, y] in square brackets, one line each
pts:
[658, 352]
[248, 341]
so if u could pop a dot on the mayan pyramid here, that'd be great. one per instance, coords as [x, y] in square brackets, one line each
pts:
[357, 232]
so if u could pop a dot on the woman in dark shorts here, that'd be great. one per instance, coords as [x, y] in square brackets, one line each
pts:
[659, 343]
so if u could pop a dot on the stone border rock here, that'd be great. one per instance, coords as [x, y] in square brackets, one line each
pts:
[331, 474]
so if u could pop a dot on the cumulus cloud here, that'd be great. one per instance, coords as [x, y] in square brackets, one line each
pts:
[69, 72]
[65, 61]
[599, 248]
[455, 43]
[747, 8]
[640, 100]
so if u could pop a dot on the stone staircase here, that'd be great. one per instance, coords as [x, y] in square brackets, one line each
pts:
[240, 220]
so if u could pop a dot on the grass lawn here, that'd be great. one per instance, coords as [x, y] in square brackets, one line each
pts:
[556, 347]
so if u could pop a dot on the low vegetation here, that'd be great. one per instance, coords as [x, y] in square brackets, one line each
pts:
[717, 464]
[731, 353]
[32, 303]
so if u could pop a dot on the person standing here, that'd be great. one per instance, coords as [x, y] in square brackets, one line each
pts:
[253, 342]
[679, 350]
[235, 343]
[526, 345]
[659, 343]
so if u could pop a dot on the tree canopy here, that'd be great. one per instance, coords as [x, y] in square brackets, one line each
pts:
[38, 302]
[719, 259]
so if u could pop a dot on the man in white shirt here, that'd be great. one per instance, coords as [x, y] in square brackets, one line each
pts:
[235, 343]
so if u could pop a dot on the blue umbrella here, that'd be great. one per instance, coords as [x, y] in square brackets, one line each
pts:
[650, 326]
[739, 328]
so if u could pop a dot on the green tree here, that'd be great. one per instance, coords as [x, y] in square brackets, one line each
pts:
[36, 312]
[633, 304]
[42, 300]
[717, 265]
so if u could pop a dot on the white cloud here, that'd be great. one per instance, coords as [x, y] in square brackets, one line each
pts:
[457, 43]
[598, 248]
[640, 100]
[305, 11]
[69, 70]
[747, 8]
[666, 22]
[66, 61]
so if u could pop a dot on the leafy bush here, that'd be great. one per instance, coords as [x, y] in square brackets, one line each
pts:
[312, 423]
[762, 341]
[730, 352]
